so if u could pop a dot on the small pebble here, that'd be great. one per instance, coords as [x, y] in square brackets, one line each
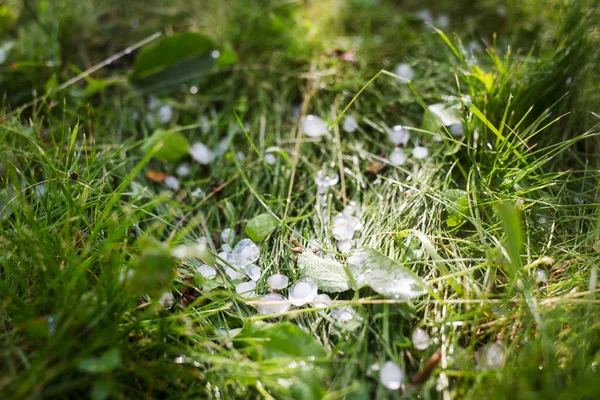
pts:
[278, 281]
[279, 304]
[314, 126]
[391, 376]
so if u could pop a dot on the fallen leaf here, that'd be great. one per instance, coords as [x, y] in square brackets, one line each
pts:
[156, 176]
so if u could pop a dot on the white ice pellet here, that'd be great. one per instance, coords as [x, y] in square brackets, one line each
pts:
[201, 153]
[246, 289]
[425, 16]
[172, 183]
[207, 271]
[197, 193]
[344, 226]
[244, 253]
[302, 291]
[456, 130]
[183, 170]
[166, 300]
[165, 113]
[270, 158]
[314, 126]
[233, 274]
[541, 276]
[226, 248]
[272, 303]
[492, 356]
[343, 314]
[345, 246]
[253, 271]
[405, 71]
[446, 114]
[278, 281]
[240, 156]
[326, 178]
[420, 339]
[398, 157]
[420, 152]
[350, 124]
[399, 135]
[204, 124]
[391, 376]
[321, 301]
[443, 21]
[227, 235]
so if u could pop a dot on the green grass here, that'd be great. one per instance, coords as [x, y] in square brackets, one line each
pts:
[518, 192]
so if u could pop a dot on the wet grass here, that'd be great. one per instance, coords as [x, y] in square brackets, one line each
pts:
[476, 220]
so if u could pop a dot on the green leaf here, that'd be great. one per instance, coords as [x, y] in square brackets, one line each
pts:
[261, 226]
[179, 59]
[105, 363]
[384, 275]
[153, 271]
[174, 145]
[510, 216]
[329, 275]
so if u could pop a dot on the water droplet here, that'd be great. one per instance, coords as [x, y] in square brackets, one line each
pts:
[391, 376]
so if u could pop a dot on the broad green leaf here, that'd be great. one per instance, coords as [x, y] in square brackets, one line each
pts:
[329, 275]
[513, 234]
[153, 271]
[261, 226]
[486, 79]
[105, 363]
[384, 275]
[174, 145]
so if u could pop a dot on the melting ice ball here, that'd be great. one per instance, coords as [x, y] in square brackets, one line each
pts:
[326, 178]
[253, 271]
[246, 289]
[303, 291]
[391, 376]
[244, 253]
[399, 135]
[314, 126]
[398, 157]
[272, 303]
[420, 152]
[278, 281]
[201, 153]
[350, 124]
[227, 235]
[207, 271]
[172, 182]
[420, 339]
[321, 301]
[343, 314]
[404, 71]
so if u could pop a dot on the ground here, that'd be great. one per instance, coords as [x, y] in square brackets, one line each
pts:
[448, 207]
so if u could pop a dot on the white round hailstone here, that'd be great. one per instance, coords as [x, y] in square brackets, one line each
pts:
[456, 130]
[253, 271]
[240, 156]
[270, 158]
[321, 301]
[405, 71]
[437, 138]
[492, 356]
[207, 271]
[166, 300]
[303, 291]
[343, 226]
[227, 235]
[222, 147]
[399, 135]
[350, 208]
[245, 252]
[541, 276]
[326, 178]
[154, 103]
[343, 314]
[171, 182]
[425, 16]
[201, 153]
[204, 124]
[420, 152]
[350, 124]
[226, 248]
[246, 289]
[234, 274]
[391, 376]
[197, 193]
[165, 114]
[398, 157]
[272, 303]
[420, 339]
[183, 170]
[443, 21]
[345, 246]
[278, 281]
[447, 115]
[314, 126]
